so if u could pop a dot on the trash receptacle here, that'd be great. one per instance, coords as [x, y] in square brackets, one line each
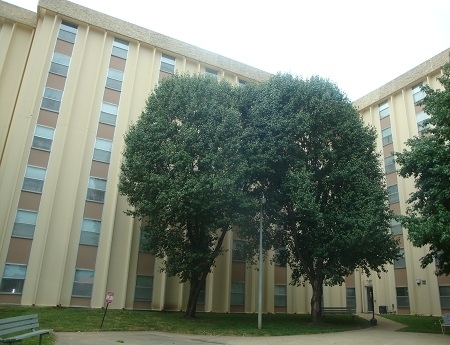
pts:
[382, 309]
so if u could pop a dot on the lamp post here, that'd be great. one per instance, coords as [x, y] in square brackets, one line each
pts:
[263, 200]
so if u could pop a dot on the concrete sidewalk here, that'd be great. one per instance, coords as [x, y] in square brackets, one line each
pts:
[382, 334]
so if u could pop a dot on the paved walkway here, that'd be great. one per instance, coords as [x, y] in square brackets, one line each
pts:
[382, 334]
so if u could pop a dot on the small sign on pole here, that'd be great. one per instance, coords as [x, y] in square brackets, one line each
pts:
[108, 300]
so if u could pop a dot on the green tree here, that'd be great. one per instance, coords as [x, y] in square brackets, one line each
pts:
[427, 160]
[181, 173]
[316, 163]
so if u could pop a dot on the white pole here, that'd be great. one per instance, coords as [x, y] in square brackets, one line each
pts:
[263, 200]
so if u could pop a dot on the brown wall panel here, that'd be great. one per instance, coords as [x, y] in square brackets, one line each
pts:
[64, 47]
[280, 275]
[93, 210]
[280, 309]
[163, 75]
[146, 264]
[237, 308]
[238, 271]
[86, 256]
[47, 118]
[111, 96]
[418, 109]
[388, 150]
[385, 122]
[80, 302]
[105, 131]
[39, 158]
[29, 201]
[56, 81]
[99, 169]
[395, 208]
[391, 179]
[142, 305]
[117, 63]
[350, 280]
[19, 250]
[400, 277]
[10, 299]
[443, 280]
[403, 311]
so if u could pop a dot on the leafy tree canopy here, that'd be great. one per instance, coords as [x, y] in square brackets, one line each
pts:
[182, 174]
[316, 163]
[427, 160]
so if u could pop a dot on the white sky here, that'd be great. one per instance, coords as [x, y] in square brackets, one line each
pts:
[359, 44]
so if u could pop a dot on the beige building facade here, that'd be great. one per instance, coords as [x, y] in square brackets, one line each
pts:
[71, 82]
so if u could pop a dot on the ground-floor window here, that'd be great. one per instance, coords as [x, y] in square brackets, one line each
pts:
[13, 278]
[82, 283]
[144, 288]
[402, 297]
[350, 297]
[280, 296]
[237, 293]
[444, 294]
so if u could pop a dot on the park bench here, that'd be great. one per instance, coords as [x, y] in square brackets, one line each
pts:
[338, 310]
[21, 327]
[445, 322]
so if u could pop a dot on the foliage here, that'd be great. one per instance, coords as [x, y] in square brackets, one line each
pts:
[427, 160]
[182, 172]
[316, 163]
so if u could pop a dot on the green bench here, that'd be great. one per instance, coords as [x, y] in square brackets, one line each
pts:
[17, 328]
[338, 310]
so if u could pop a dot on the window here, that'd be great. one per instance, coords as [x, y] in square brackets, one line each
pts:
[237, 293]
[210, 72]
[82, 283]
[143, 242]
[400, 262]
[43, 138]
[402, 297]
[421, 118]
[13, 278]
[383, 109]
[114, 79]
[67, 32]
[120, 48]
[418, 94]
[24, 224]
[386, 135]
[396, 227]
[60, 64]
[167, 64]
[90, 231]
[52, 99]
[280, 257]
[96, 189]
[238, 250]
[444, 294]
[102, 150]
[393, 194]
[202, 294]
[242, 82]
[350, 293]
[280, 296]
[144, 288]
[34, 179]
[108, 113]
[389, 164]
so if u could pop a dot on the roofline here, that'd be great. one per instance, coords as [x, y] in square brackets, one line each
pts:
[134, 32]
[425, 68]
[17, 14]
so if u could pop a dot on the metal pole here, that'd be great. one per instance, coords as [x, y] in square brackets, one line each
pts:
[263, 200]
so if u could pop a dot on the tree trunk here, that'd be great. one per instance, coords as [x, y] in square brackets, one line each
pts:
[316, 300]
[194, 292]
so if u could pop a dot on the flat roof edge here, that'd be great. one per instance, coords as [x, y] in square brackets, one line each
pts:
[138, 33]
[17, 14]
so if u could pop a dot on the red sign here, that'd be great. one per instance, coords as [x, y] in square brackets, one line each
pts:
[109, 297]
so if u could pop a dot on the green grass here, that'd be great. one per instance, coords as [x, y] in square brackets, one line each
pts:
[416, 323]
[89, 320]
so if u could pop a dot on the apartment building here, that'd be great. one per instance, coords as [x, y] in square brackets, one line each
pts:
[71, 82]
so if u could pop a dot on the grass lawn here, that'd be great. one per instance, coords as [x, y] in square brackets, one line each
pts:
[81, 319]
[416, 323]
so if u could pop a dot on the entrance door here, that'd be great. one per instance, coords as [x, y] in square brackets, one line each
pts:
[369, 294]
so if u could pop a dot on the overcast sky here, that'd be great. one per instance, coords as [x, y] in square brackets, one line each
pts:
[360, 44]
